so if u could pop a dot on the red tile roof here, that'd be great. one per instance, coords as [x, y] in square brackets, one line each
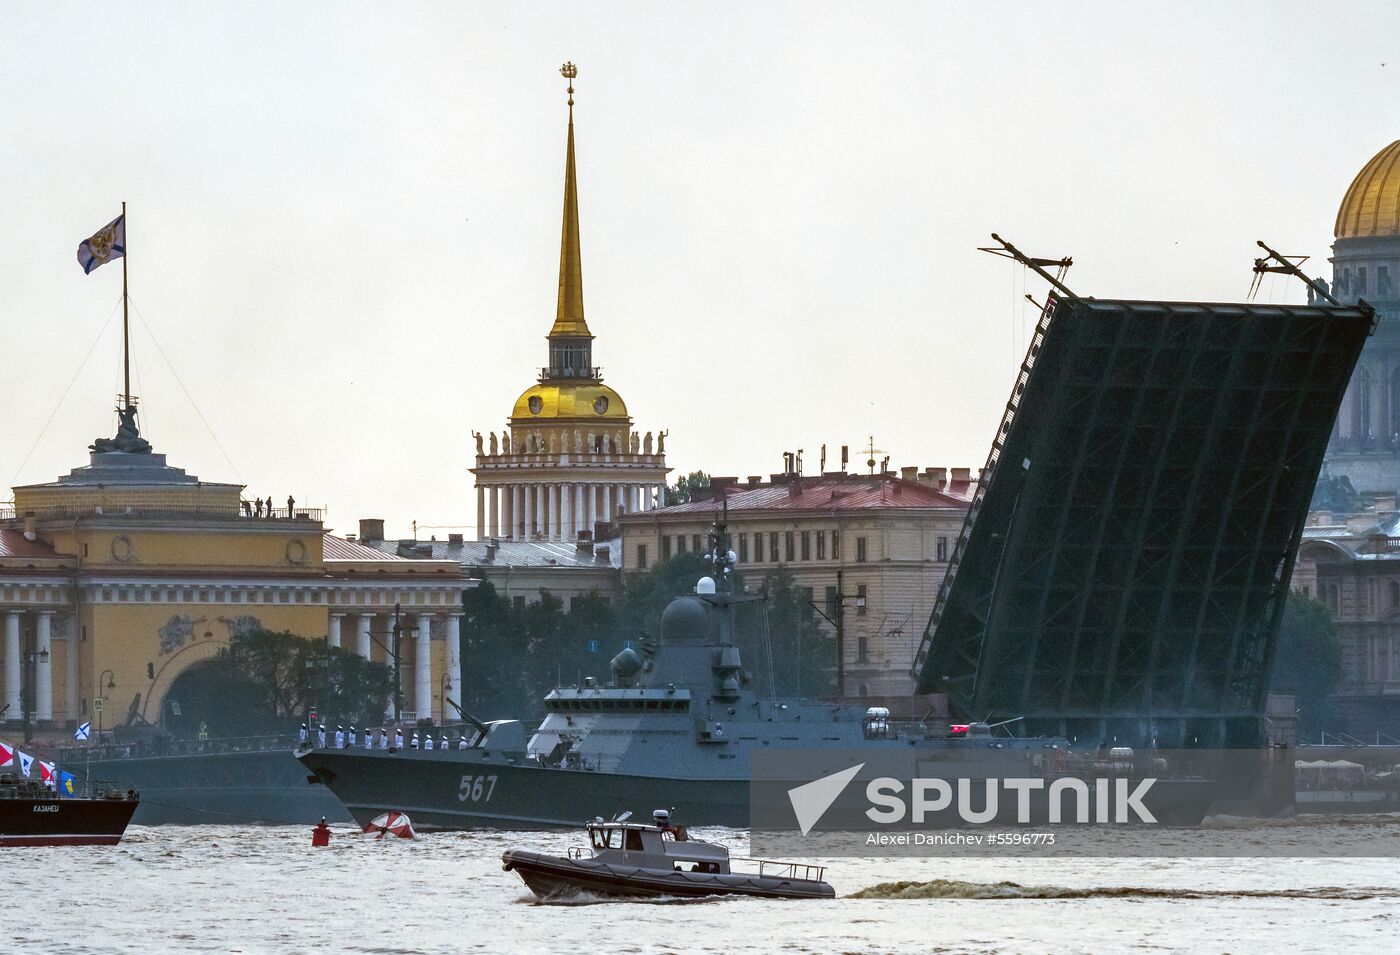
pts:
[14, 544]
[338, 548]
[852, 492]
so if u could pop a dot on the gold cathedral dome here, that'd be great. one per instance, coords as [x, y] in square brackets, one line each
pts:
[570, 400]
[1372, 205]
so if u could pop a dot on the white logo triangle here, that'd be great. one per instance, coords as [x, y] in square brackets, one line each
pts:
[810, 801]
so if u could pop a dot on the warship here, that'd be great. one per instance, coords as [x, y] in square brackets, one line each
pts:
[677, 725]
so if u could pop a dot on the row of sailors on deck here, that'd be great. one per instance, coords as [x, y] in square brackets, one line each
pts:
[382, 740]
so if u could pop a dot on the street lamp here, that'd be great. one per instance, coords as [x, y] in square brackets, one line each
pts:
[445, 685]
[107, 681]
[28, 688]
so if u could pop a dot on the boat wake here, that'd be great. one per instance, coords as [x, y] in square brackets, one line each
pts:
[589, 898]
[955, 889]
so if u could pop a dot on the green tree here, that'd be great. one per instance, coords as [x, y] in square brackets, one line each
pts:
[803, 651]
[1308, 661]
[684, 490]
[272, 678]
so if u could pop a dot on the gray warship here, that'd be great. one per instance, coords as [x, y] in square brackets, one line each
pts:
[677, 725]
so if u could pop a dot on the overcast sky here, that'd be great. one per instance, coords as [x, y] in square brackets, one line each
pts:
[344, 217]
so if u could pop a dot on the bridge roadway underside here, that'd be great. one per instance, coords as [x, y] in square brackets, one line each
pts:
[1125, 573]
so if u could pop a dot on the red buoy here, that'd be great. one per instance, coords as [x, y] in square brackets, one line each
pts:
[321, 835]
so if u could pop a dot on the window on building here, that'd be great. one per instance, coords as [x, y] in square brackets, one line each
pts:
[1305, 591]
[831, 599]
[743, 548]
[860, 550]
[861, 600]
[518, 602]
[807, 598]
[1394, 595]
[789, 552]
[862, 652]
[1361, 280]
[641, 556]
[821, 545]
[773, 546]
[680, 543]
[941, 549]
[665, 547]
[835, 545]
[1382, 281]
[695, 547]
[806, 545]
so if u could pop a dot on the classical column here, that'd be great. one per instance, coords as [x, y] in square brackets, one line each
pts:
[566, 512]
[517, 516]
[621, 501]
[333, 630]
[495, 511]
[480, 512]
[580, 522]
[556, 512]
[423, 668]
[455, 677]
[590, 505]
[532, 510]
[12, 666]
[363, 645]
[70, 700]
[43, 666]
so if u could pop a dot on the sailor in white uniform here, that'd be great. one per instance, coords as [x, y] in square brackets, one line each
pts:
[340, 737]
[444, 744]
[354, 737]
[462, 741]
[383, 738]
[427, 740]
[369, 738]
[398, 737]
[302, 734]
[413, 742]
[321, 735]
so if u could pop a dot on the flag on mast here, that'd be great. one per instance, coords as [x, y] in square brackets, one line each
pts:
[82, 731]
[26, 763]
[7, 755]
[104, 245]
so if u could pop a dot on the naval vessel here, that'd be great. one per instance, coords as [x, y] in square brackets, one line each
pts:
[677, 725]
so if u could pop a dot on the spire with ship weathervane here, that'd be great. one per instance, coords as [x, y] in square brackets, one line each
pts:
[570, 351]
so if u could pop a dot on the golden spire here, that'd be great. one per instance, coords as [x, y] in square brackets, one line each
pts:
[568, 320]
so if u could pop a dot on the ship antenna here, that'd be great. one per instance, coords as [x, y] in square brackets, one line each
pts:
[721, 561]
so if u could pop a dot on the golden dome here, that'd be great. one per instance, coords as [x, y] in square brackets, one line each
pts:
[583, 401]
[1372, 204]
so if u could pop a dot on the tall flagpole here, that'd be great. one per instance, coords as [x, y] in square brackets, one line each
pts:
[126, 321]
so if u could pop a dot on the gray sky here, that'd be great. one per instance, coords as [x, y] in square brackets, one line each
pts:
[344, 218]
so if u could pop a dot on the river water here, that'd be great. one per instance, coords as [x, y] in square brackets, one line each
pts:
[264, 889]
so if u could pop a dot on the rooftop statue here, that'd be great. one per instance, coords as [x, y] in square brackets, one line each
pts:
[128, 437]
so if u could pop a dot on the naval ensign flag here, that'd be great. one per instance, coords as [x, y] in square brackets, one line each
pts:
[104, 245]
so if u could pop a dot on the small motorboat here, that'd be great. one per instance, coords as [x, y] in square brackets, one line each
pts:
[635, 860]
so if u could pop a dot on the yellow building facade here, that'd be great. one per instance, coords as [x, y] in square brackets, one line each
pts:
[123, 575]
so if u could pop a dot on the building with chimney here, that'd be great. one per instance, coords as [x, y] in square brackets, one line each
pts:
[870, 550]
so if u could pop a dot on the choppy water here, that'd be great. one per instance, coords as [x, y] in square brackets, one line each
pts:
[228, 889]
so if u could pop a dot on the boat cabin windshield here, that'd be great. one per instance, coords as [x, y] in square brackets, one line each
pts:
[619, 838]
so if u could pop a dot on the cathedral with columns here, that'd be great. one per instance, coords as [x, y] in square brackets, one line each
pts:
[570, 458]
